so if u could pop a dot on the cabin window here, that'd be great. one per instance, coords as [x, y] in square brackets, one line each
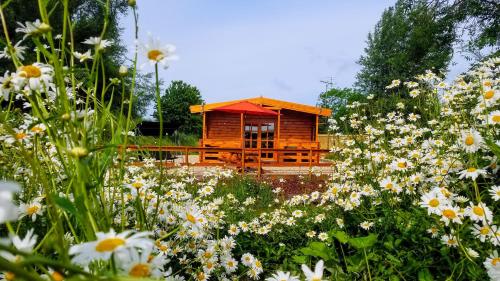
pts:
[260, 135]
[251, 135]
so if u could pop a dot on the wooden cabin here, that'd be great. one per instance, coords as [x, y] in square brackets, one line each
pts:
[290, 126]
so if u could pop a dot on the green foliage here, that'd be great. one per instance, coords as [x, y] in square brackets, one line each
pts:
[175, 108]
[410, 38]
[479, 23]
[337, 100]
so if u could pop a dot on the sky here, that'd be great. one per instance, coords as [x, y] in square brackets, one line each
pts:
[233, 49]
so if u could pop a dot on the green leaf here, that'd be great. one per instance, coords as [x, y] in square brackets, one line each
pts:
[339, 235]
[493, 146]
[425, 275]
[64, 204]
[299, 259]
[363, 242]
[317, 249]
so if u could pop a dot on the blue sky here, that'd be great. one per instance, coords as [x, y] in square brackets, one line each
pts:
[233, 49]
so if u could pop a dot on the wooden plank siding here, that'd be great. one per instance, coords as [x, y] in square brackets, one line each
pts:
[296, 130]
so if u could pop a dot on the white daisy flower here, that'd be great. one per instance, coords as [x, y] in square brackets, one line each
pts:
[471, 140]
[83, 56]
[479, 212]
[433, 201]
[495, 192]
[98, 42]
[492, 265]
[8, 210]
[471, 173]
[317, 275]
[141, 265]
[156, 52]
[109, 243]
[35, 28]
[449, 240]
[36, 76]
[247, 259]
[7, 85]
[451, 214]
[282, 276]
[18, 51]
[494, 117]
[32, 209]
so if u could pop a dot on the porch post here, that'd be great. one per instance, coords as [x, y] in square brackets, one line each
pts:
[278, 133]
[316, 139]
[203, 134]
[242, 138]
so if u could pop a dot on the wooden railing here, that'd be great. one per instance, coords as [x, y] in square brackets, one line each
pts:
[242, 158]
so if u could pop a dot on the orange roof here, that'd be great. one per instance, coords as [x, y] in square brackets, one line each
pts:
[275, 104]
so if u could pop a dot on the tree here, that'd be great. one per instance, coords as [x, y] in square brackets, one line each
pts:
[478, 21]
[411, 37]
[175, 108]
[87, 18]
[337, 100]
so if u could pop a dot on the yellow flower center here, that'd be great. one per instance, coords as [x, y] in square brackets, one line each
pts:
[155, 55]
[487, 83]
[230, 263]
[496, 118]
[434, 202]
[191, 218]
[57, 276]
[30, 71]
[207, 255]
[389, 185]
[9, 276]
[163, 248]
[36, 129]
[258, 264]
[469, 140]
[109, 244]
[494, 261]
[478, 211]
[32, 209]
[140, 270]
[451, 241]
[20, 136]
[137, 184]
[200, 276]
[316, 279]
[471, 170]
[450, 214]
[489, 94]
[484, 230]
[402, 165]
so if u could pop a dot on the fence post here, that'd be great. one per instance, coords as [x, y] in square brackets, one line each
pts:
[260, 163]
[310, 161]
[243, 161]
[186, 157]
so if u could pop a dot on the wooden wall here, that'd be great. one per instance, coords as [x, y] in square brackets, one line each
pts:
[297, 127]
[221, 125]
[297, 130]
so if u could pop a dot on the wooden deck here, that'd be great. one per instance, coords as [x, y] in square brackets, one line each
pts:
[244, 159]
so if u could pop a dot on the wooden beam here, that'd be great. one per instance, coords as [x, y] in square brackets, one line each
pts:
[203, 136]
[278, 132]
[317, 128]
[316, 138]
[266, 102]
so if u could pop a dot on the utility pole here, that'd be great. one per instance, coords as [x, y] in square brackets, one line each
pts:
[328, 83]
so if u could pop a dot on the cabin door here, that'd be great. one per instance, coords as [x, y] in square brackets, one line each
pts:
[260, 134]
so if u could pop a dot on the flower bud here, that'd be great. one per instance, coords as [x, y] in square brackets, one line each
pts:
[132, 3]
[65, 117]
[79, 152]
[123, 70]
[44, 28]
